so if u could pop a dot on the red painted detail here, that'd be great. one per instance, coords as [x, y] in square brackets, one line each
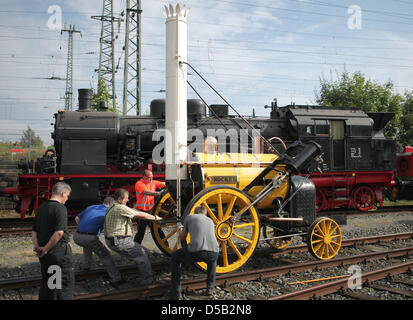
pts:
[321, 200]
[336, 189]
[39, 186]
[364, 197]
[10, 190]
[24, 205]
[404, 162]
[62, 177]
[379, 196]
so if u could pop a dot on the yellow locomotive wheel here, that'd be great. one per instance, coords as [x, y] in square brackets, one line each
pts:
[279, 244]
[324, 238]
[165, 235]
[237, 235]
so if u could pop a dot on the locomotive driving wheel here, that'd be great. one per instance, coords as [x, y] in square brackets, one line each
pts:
[324, 238]
[165, 235]
[280, 243]
[237, 235]
[363, 198]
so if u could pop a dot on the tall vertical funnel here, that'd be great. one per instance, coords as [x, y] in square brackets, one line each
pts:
[176, 91]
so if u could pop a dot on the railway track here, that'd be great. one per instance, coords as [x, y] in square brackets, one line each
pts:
[18, 227]
[354, 212]
[13, 232]
[267, 273]
[343, 284]
[225, 280]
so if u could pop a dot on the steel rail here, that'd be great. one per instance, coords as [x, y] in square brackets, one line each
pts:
[352, 212]
[335, 286]
[24, 231]
[14, 283]
[224, 280]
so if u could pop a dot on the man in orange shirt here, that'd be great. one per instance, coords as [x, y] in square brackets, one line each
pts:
[145, 199]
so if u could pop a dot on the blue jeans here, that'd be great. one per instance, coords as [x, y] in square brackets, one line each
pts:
[181, 255]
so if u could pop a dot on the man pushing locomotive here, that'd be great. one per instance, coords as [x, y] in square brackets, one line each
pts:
[145, 190]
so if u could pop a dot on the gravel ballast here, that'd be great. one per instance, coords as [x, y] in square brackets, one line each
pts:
[18, 260]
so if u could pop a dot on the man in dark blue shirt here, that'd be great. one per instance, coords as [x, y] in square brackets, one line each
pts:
[90, 223]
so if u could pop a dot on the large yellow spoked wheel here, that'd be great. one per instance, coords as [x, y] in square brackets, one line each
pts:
[165, 235]
[237, 235]
[324, 238]
[280, 243]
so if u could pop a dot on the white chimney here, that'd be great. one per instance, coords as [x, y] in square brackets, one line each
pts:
[176, 91]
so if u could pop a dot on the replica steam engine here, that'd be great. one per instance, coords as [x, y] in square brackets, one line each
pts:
[271, 182]
[241, 192]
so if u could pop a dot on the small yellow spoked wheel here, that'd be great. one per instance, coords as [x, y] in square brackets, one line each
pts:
[237, 235]
[165, 235]
[324, 238]
[279, 244]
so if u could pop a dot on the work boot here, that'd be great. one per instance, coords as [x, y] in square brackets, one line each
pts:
[210, 292]
[117, 284]
[174, 295]
[144, 281]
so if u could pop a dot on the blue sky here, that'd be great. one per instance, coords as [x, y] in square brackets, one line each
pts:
[251, 51]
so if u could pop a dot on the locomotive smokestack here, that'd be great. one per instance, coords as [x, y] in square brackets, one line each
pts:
[176, 91]
[85, 99]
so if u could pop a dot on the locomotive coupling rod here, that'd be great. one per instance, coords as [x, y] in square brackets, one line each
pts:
[286, 236]
[286, 219]
[275, 183]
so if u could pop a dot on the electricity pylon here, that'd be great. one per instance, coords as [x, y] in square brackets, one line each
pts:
[107, 68]
[69, 67]
[132, 66]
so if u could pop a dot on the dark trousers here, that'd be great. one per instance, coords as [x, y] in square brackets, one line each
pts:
[133, 250]
[90, 244]
[140, 234]
[57, 269]
[181, 255]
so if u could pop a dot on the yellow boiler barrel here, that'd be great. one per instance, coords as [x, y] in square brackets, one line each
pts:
[239, 170]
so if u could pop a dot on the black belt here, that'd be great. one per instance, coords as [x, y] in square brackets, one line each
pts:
[88, 233]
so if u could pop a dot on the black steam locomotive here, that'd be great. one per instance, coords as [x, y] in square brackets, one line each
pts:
[89, 141]
[98, 151]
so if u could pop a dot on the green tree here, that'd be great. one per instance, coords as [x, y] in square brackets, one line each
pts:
[30, 139]
[102, 94]
[406, 134]
[358, 92]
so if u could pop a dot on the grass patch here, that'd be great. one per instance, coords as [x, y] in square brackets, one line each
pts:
[387, 203]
